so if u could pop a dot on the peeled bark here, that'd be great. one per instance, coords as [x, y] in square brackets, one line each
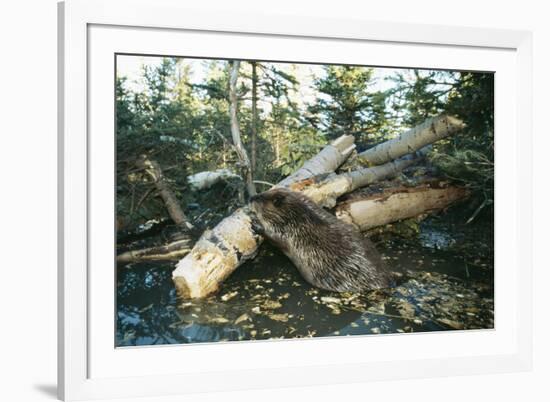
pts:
[326, 191]
[395, 204]
[430, 131]
[216, 255]
[152, 168]
[235, 130]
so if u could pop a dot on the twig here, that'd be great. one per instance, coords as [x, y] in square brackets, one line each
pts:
[144, 197]
[264, 182]
[478, 210]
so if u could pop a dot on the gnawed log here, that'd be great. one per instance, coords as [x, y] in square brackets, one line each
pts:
[152, 168]
[216, 255]
[394, 204]
[430, 131]
[204, 180]
[325, 190]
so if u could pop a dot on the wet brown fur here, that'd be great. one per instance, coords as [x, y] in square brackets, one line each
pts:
[329, 253]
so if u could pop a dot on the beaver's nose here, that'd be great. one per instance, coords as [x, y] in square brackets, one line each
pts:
[254, 198]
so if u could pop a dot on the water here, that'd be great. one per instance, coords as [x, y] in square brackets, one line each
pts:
[445, 283]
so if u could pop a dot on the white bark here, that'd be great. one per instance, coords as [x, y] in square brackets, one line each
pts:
[326, 161]
[395, 204]
[426, 133]
[216, 255]
[235, 130]
[204, 180]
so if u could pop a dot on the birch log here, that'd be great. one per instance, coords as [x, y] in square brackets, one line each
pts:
[433, 129]
[221, 250]
[204, 180]
[326, 161]
[216, 255]
[394, 204]
[326, 191]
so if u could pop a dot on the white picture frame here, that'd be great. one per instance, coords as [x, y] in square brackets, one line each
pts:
[90, 32]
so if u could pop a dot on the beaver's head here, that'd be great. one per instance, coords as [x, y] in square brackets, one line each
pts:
[282, 207]
[270, 206]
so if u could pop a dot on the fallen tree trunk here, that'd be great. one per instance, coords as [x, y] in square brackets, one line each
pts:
[326, 190]
[394, 204]
[216, 255]
[171, 251]
[152, 168]
[432, 130]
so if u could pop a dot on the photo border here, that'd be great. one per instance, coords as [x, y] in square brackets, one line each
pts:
[74, 18]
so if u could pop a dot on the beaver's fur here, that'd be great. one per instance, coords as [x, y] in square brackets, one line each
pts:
[329, 253]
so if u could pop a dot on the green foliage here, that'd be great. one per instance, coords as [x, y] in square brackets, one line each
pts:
[347, 105]
[472, 99]
[469, 157]
[420, 94]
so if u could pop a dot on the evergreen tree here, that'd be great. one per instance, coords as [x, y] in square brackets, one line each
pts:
[347, 105]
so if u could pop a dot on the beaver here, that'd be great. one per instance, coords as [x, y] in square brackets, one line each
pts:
[330, 254]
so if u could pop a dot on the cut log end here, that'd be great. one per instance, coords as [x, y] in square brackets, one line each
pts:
[216, 255]
[182, 287]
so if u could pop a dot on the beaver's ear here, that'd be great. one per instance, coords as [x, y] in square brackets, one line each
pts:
[278, 199]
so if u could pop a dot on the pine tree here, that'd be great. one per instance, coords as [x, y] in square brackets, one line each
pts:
[347, 105]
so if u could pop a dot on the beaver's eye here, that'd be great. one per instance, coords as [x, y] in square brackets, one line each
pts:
[278, 200]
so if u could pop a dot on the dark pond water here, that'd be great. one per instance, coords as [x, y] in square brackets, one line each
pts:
[446, 283]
